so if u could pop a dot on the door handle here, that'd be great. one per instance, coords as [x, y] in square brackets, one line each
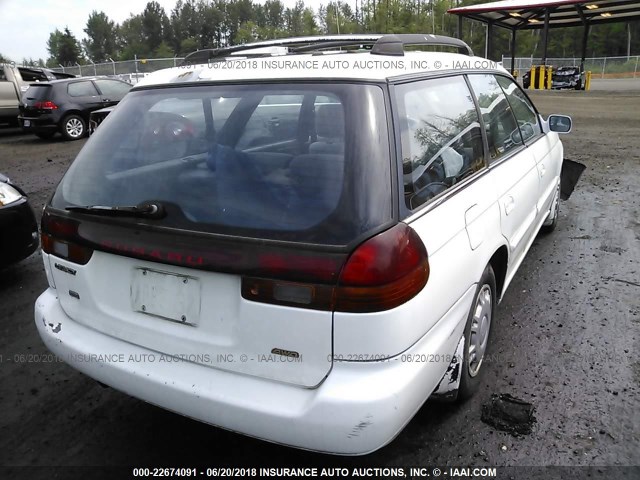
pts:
[509, 205]
[106, 99]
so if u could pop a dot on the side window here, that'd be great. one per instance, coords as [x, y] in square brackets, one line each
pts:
[522, 109]
[111, 88]
[81, 89]
[274, 120]
[3, 76]
[440, 135]
[502, 130]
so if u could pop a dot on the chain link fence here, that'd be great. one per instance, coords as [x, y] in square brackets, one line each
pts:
[600, 67]
[129, 70]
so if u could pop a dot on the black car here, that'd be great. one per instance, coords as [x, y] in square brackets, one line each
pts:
[64, 105]
[97, 116]
[561, 77]
[18, 227]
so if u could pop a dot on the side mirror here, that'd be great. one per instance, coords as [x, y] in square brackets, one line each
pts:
[560, 123]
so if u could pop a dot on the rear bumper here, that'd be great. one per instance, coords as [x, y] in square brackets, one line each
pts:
[45, 123]
[360, 407]
[18, 232]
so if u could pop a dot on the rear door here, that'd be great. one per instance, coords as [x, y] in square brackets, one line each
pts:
[112, 91]
[513, 166]
[83, 94]
[442, 162]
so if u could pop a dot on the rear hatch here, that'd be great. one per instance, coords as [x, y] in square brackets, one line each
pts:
[37, 100]
[249, 199]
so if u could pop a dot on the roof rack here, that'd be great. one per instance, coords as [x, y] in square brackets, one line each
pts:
[377, 44]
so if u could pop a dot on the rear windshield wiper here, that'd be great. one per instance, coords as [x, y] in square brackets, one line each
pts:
[147, 210]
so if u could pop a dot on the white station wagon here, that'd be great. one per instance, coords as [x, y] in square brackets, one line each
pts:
[300, 240]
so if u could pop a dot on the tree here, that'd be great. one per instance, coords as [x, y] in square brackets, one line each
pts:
[131, 38]
[294, 19]
[63, 47]
[185, 25]
[4, 59]
[100, 43]
[155, 26]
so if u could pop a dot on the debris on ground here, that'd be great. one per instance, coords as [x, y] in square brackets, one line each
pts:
[509, 414]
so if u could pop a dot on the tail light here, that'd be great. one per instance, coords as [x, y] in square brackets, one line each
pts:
[59, 237]
[46, 105]
[382, 273]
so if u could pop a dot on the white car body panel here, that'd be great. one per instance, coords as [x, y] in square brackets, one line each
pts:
[229, 327]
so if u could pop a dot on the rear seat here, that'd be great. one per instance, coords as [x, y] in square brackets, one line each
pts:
[329, 130]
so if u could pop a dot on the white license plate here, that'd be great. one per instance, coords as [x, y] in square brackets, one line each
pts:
[167, 295]
[27, 123]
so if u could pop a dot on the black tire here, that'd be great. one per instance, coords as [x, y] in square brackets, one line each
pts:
[73, 127]
[45, 135]
[478, 327]
[551, 222]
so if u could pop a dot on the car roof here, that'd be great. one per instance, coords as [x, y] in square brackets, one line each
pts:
[328, 65]
[373, 57]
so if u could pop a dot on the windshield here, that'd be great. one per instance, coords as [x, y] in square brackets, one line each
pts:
[300, 162]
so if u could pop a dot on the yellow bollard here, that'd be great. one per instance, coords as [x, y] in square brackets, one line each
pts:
[541, 77]
[549, 77]
[532, 78]
[587, 81]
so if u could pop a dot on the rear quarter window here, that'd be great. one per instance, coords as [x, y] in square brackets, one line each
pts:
[440, 135]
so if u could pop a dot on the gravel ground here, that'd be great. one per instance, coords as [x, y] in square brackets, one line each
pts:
[565, 339]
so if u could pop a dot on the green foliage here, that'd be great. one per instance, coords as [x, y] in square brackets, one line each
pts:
[64, 48]
[100, 43]
[194, 24]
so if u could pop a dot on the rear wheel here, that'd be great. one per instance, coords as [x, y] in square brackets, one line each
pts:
[476, 334]
[73, 127]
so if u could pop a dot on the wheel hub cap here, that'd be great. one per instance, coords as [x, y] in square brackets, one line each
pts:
[480, 326]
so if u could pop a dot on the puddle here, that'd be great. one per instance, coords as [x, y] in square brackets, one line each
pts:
[509, 414]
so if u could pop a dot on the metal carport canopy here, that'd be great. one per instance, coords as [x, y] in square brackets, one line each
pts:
[530, 14]
[545, 14]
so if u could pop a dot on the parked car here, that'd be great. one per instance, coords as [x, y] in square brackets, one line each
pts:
[64, 105]
[307, 257]
[18, 227]
[14, 81]
[561, 78]
[97, 117]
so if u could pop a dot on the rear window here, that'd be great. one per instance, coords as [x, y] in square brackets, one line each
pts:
[297, 162]
[37, 92]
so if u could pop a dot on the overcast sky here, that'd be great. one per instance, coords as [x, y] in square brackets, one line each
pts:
[25, 25]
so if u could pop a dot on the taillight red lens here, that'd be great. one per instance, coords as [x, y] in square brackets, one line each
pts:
[383, 272]
[57, 238]
[311, 268]
[46, 105]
